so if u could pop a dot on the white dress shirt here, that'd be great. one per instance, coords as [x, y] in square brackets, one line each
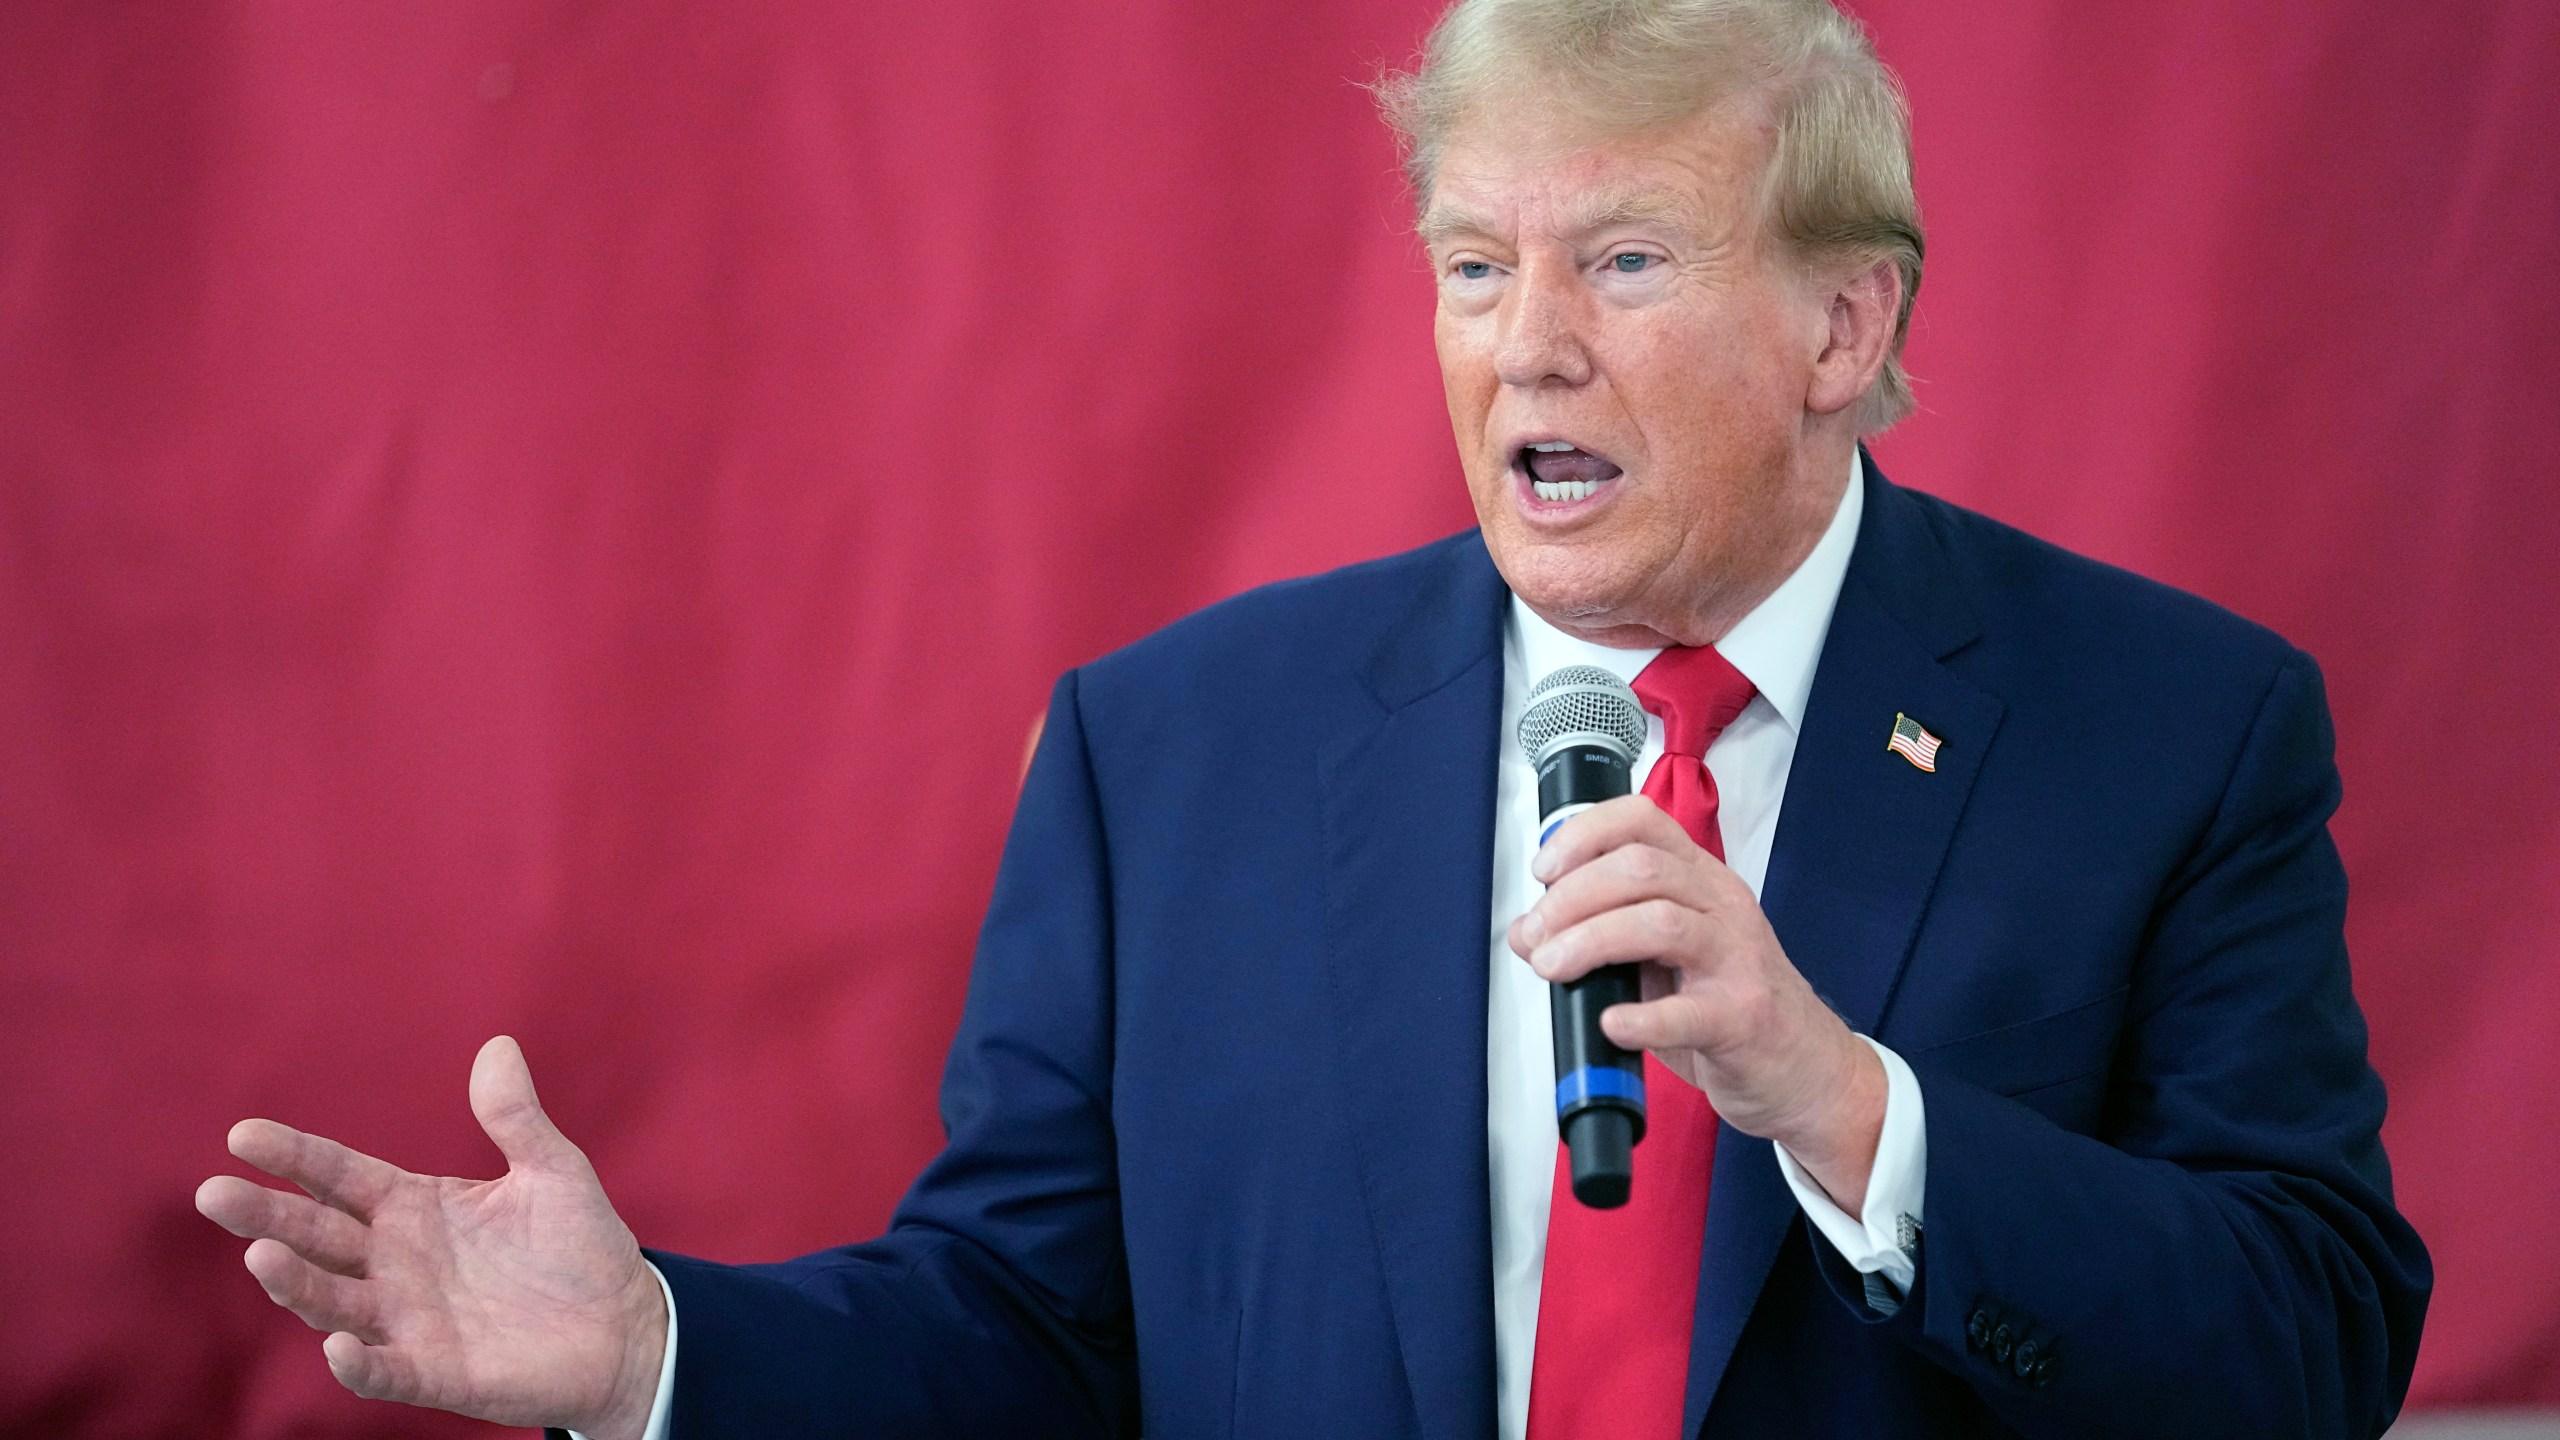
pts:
[1776, 647]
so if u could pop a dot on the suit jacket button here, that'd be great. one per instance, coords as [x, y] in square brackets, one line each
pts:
[2002, 1338]
[2042, 1372]
[2023, 1363]
[1977, 1331]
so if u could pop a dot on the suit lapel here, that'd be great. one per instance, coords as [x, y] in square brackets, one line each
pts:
[1408, 794]
[1861, 835]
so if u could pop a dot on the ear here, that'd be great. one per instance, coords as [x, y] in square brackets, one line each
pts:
[1859, 311]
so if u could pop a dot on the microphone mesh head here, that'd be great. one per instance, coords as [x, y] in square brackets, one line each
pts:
[1585, 705]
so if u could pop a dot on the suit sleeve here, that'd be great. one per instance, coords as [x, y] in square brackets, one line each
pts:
[997, 1303]
[2223, 1258]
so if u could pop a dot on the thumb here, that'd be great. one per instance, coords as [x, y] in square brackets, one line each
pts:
[502, 1098]
[1666, 1023]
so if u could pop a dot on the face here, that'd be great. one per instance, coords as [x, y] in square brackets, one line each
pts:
[1635, 375]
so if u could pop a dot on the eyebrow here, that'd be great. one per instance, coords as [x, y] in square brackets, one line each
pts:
[1442, 223]
[1634, 207]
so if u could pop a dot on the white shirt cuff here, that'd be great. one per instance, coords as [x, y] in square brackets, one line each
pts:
[1885, 1241]
[657, 1426]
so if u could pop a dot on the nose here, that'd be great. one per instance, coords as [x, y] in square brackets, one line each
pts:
[1542, 323]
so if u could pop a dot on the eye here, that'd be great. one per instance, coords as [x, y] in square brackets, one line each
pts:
[1473, 269]
[1630, 262]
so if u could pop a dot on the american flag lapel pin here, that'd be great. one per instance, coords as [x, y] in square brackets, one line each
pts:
[1913, 742]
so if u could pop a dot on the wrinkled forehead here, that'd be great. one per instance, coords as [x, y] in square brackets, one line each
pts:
[1542, 164]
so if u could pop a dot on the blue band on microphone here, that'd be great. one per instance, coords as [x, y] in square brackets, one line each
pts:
[1596, 1082]
[1547, 830]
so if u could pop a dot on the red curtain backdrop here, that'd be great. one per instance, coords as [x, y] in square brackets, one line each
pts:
[557, 519]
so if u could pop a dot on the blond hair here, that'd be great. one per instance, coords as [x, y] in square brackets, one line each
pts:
[1838, 185]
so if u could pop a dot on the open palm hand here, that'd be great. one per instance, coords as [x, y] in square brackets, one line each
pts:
[521, 1300]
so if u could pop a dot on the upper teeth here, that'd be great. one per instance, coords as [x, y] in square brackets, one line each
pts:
[1553, 446]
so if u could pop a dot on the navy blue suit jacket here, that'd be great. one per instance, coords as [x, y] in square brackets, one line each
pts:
[1217, 1113]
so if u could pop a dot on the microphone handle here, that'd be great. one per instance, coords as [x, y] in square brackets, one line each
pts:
[1599, 1086]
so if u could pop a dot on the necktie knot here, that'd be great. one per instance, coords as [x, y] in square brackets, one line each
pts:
[1696, 692]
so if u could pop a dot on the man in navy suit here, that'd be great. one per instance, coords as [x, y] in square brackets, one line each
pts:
[1997, 941]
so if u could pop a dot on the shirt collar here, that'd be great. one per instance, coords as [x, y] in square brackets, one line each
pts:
[1775, 647]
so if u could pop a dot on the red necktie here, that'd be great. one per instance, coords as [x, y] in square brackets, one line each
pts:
[1620, 1288]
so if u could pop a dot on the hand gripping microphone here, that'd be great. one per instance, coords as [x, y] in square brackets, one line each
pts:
[1581, 732]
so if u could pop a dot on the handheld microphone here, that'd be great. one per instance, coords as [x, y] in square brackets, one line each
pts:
[1582, 730]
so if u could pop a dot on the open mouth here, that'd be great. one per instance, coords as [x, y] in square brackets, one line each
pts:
[1560, 472]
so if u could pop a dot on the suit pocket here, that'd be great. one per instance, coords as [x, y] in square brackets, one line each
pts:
[2027, 1056]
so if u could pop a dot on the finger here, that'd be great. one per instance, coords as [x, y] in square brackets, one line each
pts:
[376, 1372]
[333, 1174]
[503, 1099]
[1603, 828]
[1659, 930]
[328, 1238]
[322, 1300]
[1684, 1021]
[1632, 873]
